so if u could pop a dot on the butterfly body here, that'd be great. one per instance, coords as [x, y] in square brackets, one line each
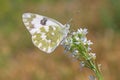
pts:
[46, 33]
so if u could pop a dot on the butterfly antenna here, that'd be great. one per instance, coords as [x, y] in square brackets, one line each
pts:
[68, 23]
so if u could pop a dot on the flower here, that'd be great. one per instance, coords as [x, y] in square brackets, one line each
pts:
[91, 77]
[82, 31]
[77, 38]
[92, 56]
[82, 64]
[78, 46]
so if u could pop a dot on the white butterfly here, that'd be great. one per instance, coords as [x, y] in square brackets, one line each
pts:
[46, 33]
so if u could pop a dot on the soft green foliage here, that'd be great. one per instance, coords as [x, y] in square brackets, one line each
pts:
[110, 15]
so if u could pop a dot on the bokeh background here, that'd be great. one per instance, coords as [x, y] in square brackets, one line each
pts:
[21, 60]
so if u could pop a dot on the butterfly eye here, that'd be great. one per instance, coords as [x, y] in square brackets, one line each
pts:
[43, 21]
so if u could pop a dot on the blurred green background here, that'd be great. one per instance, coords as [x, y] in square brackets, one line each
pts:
[21, 60]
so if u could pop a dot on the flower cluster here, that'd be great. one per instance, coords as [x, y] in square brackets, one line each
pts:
[79, 47]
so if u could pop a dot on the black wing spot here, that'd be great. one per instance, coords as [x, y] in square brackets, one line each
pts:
[43, 21]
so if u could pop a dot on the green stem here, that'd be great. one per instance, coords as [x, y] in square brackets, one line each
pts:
[98, 74]
[96, 70]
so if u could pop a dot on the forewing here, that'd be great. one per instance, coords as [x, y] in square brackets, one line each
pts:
[32, 22]
[46, 33]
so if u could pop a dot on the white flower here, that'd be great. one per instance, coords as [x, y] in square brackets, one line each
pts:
[89, 42]
[91, 77]
[82, 31]
[82, 64]
[89, 48]
[92, 55]
[84, 40]
[77, 38]
[73, 33]
[74, 53]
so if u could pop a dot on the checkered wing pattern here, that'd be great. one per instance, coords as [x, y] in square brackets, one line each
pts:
[46, 33]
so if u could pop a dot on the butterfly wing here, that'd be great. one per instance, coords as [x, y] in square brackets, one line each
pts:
[46, 33]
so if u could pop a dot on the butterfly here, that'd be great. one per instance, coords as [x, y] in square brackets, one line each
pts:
[46, 33]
